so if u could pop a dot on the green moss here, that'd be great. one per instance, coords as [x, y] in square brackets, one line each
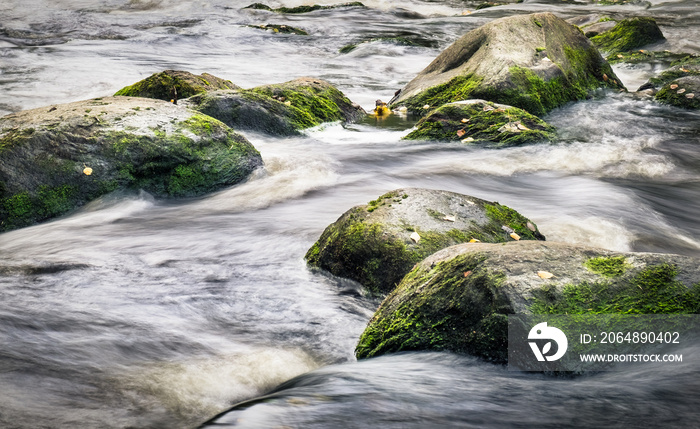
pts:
[309, 106]
[629, 34]
[672, 97]
[459, 88]
[23, 209]
[609, 266]
[171, 84]
[452, 311]
[14, 137]
[642, 56]
[501, 215]
[652, 290]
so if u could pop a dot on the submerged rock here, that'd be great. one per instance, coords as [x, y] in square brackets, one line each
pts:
[629, 34]
[458, 299]
[281, 109]
[534, 62]
[683, 92]
[175, 84]
[303, 9]
[378, 243]
[54, 159]
[479, 121]
[282, 29]
[687, 66]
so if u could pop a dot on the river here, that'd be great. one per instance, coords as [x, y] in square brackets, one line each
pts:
[135, 312]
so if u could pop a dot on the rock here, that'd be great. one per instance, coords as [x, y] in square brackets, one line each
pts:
[683, 92]
[648, 57]
[598, 28]
[458, 299]
[372, 243]
[687, 66]
[302, 9]
[629, 34]
[534, 62]
[281, 109]
[123, 142]
[175, 84]
[471, 121]
[282, 29]
[400, 39]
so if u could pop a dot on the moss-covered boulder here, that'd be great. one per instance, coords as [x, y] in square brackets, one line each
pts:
[683, 92]
[479, 121]
[378, 243]
[54, 159]
[458, 299]
[281, 109]
[175, 84]
[629, 34]
[303, 9]
[535, 62]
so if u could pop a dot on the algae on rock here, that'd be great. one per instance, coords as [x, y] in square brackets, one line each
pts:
[629, 34]
[534, 62]
[375, 244]
[175, 84]
[57, 158]
[458, 299]
[479, 121]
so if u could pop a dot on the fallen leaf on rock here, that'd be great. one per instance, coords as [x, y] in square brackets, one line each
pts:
[685, 70]
[468, 140]
[488, 108]
[522, 127]
[427, 106]
[415, 237]
[87, 171]
[673, 86]
[545, 274]
[605, 77]
[288, 103]
[466, 273]
[691, 95]
[465, 120]
[449, 218]
[515, 236]
[460, 133]
[474, 240]
[531, 227]
[620, 56]
[499, 110]
[512, 128]
[681, 91]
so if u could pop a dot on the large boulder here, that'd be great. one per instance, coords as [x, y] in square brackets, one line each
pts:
[54, 159]
[479, 121]
[281, 109]
[378, 243]
[628, 34]
[171, 85]
[535, 62]
[458, 299]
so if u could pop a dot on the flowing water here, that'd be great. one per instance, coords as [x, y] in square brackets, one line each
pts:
[141, 312]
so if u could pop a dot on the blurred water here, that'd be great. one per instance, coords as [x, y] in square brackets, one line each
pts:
[139, 312]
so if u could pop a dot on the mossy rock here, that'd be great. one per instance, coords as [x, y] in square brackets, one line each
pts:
[400, 39]
[372, 243]
[629, 34]
[683, 92]
[648, 57]
[458, 299]
[280, 29]
[534, 62]
[479, 121]
[279, 109]
[175, 84]
[57, 158]
[303, 9]
[688, 66]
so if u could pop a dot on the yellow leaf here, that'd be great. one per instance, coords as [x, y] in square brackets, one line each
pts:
[515, 236]
[460, 133]
[87, 171]
[545, 274]
[474, 240]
